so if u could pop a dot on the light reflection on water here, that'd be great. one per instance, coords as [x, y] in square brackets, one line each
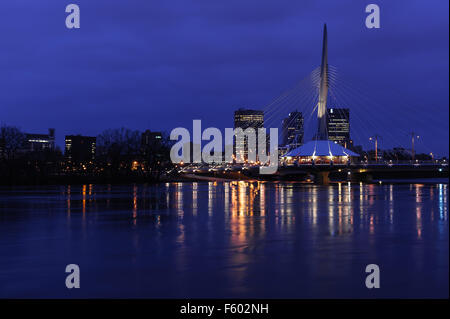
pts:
[232, 239]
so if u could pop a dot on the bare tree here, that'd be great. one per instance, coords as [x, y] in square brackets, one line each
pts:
[11, 141]
[118, 147]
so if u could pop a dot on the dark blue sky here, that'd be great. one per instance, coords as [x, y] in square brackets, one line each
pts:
[159, 64]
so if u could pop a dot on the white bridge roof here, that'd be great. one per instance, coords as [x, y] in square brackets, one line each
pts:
[320, 148]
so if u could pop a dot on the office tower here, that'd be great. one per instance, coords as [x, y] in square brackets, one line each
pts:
[80, 149]
[292, 134]
[151, 140]
[245, 119]
[338, 125]
[152, 146]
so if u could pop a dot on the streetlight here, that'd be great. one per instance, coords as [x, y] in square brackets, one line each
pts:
[375, 138]
[413, 137]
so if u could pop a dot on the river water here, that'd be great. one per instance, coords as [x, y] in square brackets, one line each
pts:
[225, 240]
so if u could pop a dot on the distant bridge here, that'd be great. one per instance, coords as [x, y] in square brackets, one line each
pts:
[322, 174]
[325, 173]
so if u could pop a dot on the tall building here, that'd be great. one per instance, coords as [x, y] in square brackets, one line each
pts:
[151, 144]
[247, 119]
[293, 130]
[40, 142]
[338, 126]
[80, 149]
[150, 139]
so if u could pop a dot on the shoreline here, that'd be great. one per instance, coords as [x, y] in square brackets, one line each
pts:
[205, 179]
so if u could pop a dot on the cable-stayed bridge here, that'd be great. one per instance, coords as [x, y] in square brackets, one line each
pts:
[327, 86]
[319, 158]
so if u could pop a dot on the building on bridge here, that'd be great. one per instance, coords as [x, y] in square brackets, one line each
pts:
[319, 152]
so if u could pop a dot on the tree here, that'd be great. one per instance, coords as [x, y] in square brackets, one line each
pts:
[12, 140]
[117, 148]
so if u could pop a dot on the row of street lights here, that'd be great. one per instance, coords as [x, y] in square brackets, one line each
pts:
[413, 138]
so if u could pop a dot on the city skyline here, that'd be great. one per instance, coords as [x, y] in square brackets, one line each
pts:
[221, 158]
[85, 87]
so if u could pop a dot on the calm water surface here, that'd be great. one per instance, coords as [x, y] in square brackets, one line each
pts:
[231, 240]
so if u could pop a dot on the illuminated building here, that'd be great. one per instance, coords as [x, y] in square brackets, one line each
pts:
[80, 149]
[338, 126]
[39, 142]
[320, 152]
[292, 133]
[245, 119]
[151, 139]
[152, 146]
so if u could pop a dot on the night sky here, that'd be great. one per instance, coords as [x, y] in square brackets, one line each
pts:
[147, 64]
